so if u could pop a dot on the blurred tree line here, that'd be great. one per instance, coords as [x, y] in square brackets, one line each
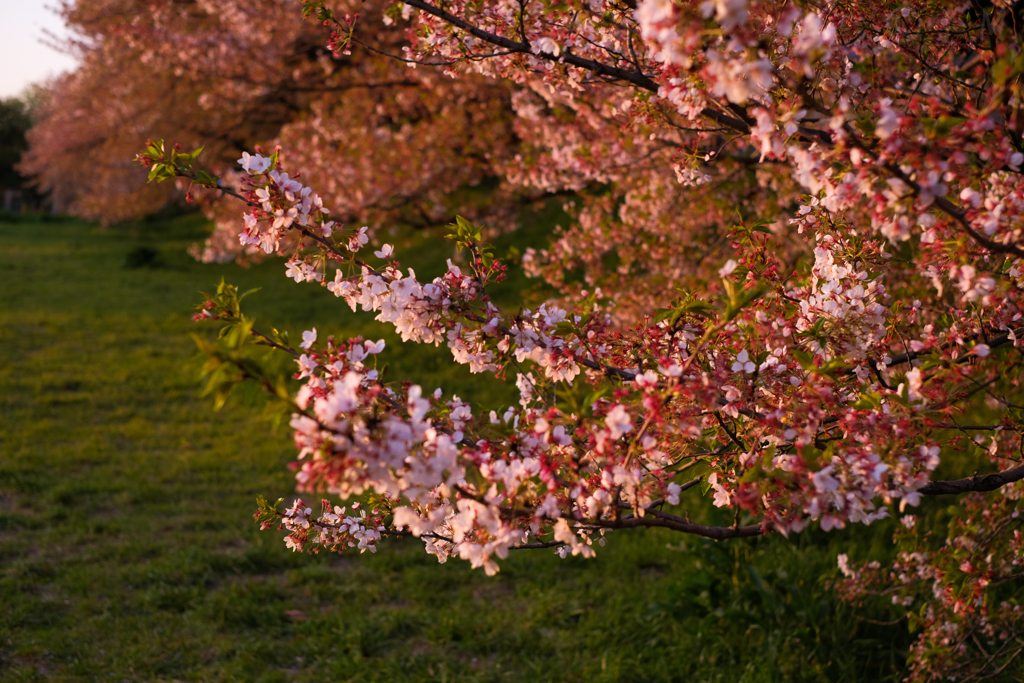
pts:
[17, 115]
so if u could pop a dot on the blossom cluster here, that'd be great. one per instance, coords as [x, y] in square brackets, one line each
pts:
[951, 592]
[476, 487]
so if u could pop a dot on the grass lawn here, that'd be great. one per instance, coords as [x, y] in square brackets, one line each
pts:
[128, 550]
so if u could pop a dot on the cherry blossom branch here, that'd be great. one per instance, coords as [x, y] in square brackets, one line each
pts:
[635, 77]
[596, 67]
[264, 339]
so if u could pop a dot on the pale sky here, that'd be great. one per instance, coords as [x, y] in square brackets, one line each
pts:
[24, 58]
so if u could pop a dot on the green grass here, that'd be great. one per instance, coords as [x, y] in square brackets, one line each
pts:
[128, 551]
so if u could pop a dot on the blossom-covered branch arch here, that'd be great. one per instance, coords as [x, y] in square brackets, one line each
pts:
[814, 359]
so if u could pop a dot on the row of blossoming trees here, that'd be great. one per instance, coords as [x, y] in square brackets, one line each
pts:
[822, 202]
[365, 128]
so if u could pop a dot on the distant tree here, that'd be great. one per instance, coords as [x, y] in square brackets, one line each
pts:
[14, 123]
[35, 96]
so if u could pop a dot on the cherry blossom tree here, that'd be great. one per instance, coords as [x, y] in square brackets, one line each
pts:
[800, 237]
[230, 75]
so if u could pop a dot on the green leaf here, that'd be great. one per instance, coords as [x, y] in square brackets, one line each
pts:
[738, 300]
[207, 179]
[476, 478]
[869, 401]
[705, 487]
[831, 366]
[805, 359]
[565, 327]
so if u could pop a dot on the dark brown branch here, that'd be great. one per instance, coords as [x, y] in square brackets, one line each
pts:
[264, 339]
[987, 482]
[637, 78]
[596, 67]
[690, 484]
[912, 355]
[606, 369]
[537, 545]
[654, 518]
[651, 518]
[976, 428]
[732, 435]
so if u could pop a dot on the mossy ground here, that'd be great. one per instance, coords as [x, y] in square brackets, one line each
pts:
[128, 550]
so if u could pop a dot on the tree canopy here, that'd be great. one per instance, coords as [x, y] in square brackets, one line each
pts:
[792, 282]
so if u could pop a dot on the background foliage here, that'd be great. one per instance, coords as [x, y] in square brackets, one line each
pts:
[14, 123]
